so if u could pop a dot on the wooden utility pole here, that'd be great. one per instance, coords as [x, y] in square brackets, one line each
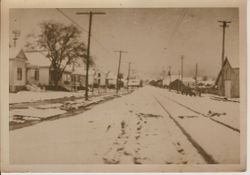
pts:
[182, 57]
[88, 50]
[118, 72]
[178, 83]
[169, 73]
[129, 68]
[196, 76]
[224, 25]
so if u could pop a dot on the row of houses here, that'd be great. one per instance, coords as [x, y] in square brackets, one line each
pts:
[33, 68]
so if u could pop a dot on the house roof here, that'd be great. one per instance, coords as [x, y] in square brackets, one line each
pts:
[37, 59]
[82, 71]
[111, 75]
[17, 53]
[225, 62]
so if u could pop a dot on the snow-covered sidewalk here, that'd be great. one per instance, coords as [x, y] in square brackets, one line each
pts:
[29, 96]
[25, 114]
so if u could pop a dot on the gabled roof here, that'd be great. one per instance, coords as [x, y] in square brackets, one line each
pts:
[224, 64]
[82, 71]
[111, 75]
[17, 53]
[37, 59]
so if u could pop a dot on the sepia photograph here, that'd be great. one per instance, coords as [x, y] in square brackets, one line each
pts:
[125, 86]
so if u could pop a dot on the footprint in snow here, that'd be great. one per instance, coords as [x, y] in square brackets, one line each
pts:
[181, 151]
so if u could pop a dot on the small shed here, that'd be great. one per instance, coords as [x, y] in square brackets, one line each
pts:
[228, 81]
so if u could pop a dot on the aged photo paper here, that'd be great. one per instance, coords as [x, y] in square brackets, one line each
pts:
[123, 86]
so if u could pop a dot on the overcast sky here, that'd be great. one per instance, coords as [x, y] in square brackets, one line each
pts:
[154, 38]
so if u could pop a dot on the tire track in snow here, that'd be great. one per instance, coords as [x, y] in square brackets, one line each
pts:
[204, 115]
[207, 157]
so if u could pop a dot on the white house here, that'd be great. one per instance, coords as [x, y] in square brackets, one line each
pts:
[38, 68]
[17, 69]
[31, 68]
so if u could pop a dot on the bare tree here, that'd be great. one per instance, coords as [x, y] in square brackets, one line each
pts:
[62, 46]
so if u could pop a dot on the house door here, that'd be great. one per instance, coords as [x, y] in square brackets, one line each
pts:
[228, 88]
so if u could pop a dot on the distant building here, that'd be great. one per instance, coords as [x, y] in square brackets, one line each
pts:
[228, 81]
[100, 78]
[166, 81]
[177, 84]
[111, 79]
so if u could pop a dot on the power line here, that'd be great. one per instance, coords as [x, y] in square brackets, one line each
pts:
[66, 16]
[178, 23]
[92, 36]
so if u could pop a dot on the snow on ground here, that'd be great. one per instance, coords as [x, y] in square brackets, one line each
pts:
[37, 113]
[228, 112]
[29, 96]
[127, 130]
[224, 148]
[133, 129]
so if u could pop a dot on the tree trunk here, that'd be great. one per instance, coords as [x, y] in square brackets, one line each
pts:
[56, 77]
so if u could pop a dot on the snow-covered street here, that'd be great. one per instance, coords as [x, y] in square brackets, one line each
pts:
[149, 126]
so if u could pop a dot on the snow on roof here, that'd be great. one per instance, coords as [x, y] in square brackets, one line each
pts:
[37, 59]
[188, 80]
[82, 71]
[210, 81]
[79, 71]
[111, 75]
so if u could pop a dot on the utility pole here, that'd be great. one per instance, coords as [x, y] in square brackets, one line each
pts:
[94, 77]
[129, 67]
[118, 72]
[196, 76]
[224, 25]
[182, 57]
[88, 50]
[169, 73]
[178, 83]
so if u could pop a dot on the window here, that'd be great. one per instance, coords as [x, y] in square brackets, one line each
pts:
[19, 73]
[36, 74]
